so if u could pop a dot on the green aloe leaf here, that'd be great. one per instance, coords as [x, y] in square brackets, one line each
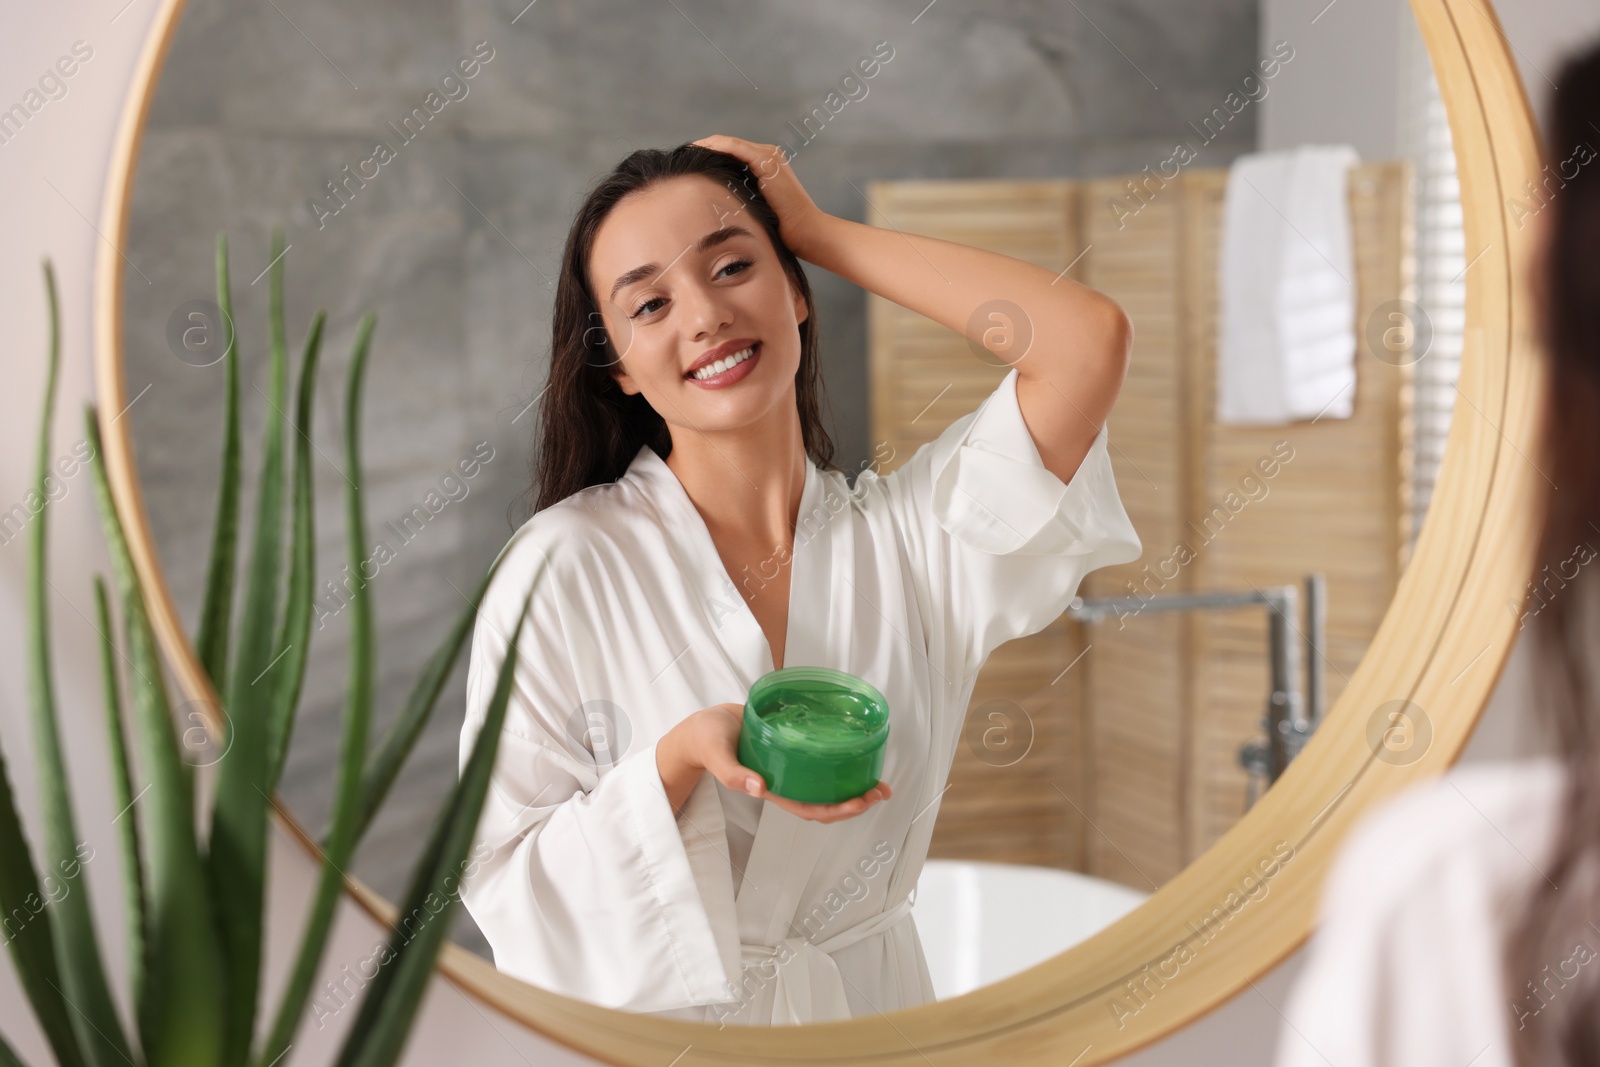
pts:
[28, 939]
[357, 719]
[8, 1056]
[77, 948]
[294, 638]
[239, 817]
[127, 822]
[379, 1033]
[402, 735]
[216, 611]
[184, 995]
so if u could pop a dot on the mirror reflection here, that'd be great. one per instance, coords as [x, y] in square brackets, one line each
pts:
[1011, 469]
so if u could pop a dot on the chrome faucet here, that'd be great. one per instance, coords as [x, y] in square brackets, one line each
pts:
[1291, 717]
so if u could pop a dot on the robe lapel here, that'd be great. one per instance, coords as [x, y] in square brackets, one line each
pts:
[782, 859]
[785, 849]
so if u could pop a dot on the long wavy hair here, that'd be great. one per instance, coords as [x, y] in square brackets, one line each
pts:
[590, 429]
[1560, 909]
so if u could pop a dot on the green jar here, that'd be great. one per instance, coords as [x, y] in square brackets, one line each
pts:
[813, 734]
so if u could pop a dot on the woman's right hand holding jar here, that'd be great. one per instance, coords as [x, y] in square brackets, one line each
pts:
[707, 742]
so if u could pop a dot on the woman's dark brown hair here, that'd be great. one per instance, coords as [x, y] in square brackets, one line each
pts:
[1552, 973]
[590, 429]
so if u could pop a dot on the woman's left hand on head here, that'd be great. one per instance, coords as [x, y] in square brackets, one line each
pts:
[798, 215]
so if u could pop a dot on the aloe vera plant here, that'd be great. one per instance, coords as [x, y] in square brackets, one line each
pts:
[195, 903]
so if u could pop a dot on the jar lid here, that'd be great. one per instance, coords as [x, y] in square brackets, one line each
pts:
[818, 709]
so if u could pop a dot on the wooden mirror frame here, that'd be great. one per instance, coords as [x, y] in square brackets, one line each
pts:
[1441, 646]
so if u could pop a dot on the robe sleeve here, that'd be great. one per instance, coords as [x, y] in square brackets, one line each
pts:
[999, 540]
[580, 876]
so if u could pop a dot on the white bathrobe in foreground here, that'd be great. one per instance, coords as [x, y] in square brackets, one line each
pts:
[736, 911]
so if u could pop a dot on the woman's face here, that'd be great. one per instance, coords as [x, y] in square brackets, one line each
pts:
[681, 299]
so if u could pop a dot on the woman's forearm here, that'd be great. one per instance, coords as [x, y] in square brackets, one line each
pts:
[1078, 340]
[1072, 326]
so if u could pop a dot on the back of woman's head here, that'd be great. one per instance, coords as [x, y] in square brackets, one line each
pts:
[1567, 275]
[1554, 999]
[590, 428]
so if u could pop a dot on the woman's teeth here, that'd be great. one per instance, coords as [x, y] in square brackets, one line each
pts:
[712, 369]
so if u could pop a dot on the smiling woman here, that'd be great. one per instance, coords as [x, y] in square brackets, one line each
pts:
[680, 445]
[594, 415]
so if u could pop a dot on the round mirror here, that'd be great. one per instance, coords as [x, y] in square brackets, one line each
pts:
[1148, 767]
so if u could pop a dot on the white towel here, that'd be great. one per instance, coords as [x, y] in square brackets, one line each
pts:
[1286, 342]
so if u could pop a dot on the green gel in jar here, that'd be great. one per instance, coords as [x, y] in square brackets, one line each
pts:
[814, 734]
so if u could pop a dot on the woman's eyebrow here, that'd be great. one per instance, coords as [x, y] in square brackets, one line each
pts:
[710, 240]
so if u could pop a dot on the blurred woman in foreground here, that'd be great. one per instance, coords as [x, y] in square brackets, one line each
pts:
[1460, 924]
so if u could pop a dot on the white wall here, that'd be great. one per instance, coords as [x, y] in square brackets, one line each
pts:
[51, 177]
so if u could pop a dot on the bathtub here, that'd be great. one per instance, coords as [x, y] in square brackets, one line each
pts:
[980, 922]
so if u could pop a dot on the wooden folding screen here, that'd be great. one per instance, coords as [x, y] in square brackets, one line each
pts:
[1113, 748]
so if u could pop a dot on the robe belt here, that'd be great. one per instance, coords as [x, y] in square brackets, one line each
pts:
[808, 986]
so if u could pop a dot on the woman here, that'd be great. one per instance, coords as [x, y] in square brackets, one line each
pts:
[1461, 921]
[627, 858]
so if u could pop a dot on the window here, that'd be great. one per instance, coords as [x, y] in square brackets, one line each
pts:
[1441, 287]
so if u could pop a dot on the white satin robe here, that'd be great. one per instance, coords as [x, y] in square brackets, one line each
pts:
[737, 911]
